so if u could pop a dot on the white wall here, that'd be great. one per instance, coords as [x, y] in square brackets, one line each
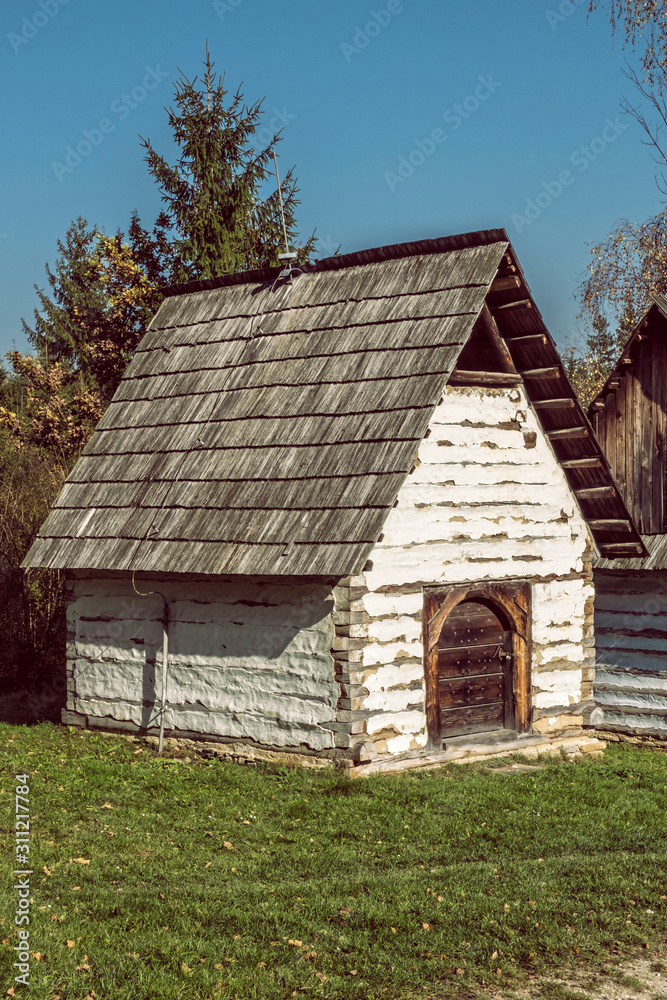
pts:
[486, 501]
[246, 660]
[631, 652]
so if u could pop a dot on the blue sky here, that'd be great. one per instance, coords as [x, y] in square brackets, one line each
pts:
[368, 95]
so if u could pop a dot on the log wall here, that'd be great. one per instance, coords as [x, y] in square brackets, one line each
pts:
[486, 500]
[248, 659]
[631, 652]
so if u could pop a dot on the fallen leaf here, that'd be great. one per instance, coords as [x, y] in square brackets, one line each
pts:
[226, 843]
[133, 954]
[309, 954]
[353, 972]
[79, 861]
[506, 907]
[70, 944]
[441, 899]
[75, 888]
[218, 965]
[246, 822]
[393, 930]
[207, 865]
[297, 944]
[185, 968]
[261, 965]
[37, 955]
[426, 927]
[320, 975]
[45, 869]
[106, 806]
[495, 955]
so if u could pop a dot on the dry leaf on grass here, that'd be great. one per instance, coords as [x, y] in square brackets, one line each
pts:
[226, 843]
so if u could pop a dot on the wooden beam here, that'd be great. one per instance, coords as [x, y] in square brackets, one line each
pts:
[595, 492]
[621, 549]
[614, 384]
[542, 373]
[513, 305]
[528, 338]
[567, 433]
[597, 405]
[583, 463]
[555, 404]
[610, 524]
[500, 379]
[507, 284]
[494, 335]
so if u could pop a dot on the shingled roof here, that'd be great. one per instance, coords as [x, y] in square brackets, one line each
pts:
[265, 426]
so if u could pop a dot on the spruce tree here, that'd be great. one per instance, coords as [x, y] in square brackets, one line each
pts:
[213, 194]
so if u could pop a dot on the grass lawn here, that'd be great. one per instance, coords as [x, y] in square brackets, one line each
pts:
[165, 878]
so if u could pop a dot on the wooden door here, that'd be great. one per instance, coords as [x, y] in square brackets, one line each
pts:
[477, 659]
[474, 671]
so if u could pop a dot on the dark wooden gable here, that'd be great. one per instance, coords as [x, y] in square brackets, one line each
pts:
[629, 417]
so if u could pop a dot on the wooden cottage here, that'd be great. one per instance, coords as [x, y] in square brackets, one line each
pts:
[357, 504]
[630, 418]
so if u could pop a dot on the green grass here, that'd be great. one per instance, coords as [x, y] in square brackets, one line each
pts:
[209, 879]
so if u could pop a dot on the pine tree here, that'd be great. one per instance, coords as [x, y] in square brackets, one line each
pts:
[213, 194]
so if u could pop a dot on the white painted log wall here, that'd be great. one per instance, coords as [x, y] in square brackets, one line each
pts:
[248, 660]
[631, 652]
[487, 501]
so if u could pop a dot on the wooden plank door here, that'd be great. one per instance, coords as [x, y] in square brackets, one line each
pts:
[474, 671]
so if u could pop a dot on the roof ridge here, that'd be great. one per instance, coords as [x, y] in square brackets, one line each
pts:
[393, 251]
